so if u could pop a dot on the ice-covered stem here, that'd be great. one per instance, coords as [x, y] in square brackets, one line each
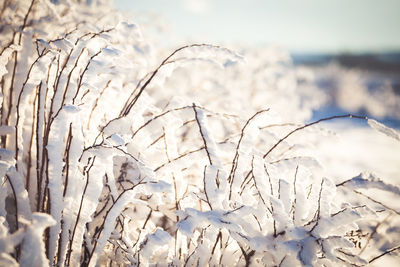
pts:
[11, 92]
[258, 189]
[39, 131]
[318, 211]
[293, 209]
[69, 254]
[26, 20]
[173, 175]
[310, 124]
[203, 132]
[83, 74]
[179, 157]
[377, 202]
[236, 157]
[384, 253]
[18, 104]
[63, 99]
[211, 150]
[205, 188]
[66, 156]
[15, 201]
[30, 149]
[96, 103]
[156, 117]
[272, 193]
[365, 181]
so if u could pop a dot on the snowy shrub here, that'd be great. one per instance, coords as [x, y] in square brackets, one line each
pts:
[110, 159]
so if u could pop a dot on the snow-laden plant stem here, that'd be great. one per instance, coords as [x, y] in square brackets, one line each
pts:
[99, 166]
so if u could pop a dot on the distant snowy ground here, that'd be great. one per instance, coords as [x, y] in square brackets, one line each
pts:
[356, 148]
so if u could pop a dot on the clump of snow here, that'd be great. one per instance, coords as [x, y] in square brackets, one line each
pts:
[33, 252]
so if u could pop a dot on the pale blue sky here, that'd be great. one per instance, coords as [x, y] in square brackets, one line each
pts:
[299, 25]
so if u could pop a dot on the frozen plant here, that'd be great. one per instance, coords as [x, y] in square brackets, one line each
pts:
[101, 165]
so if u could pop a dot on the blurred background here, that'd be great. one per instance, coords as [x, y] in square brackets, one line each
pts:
[349, 50]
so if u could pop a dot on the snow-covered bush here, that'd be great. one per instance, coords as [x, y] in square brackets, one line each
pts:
[109, 159]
